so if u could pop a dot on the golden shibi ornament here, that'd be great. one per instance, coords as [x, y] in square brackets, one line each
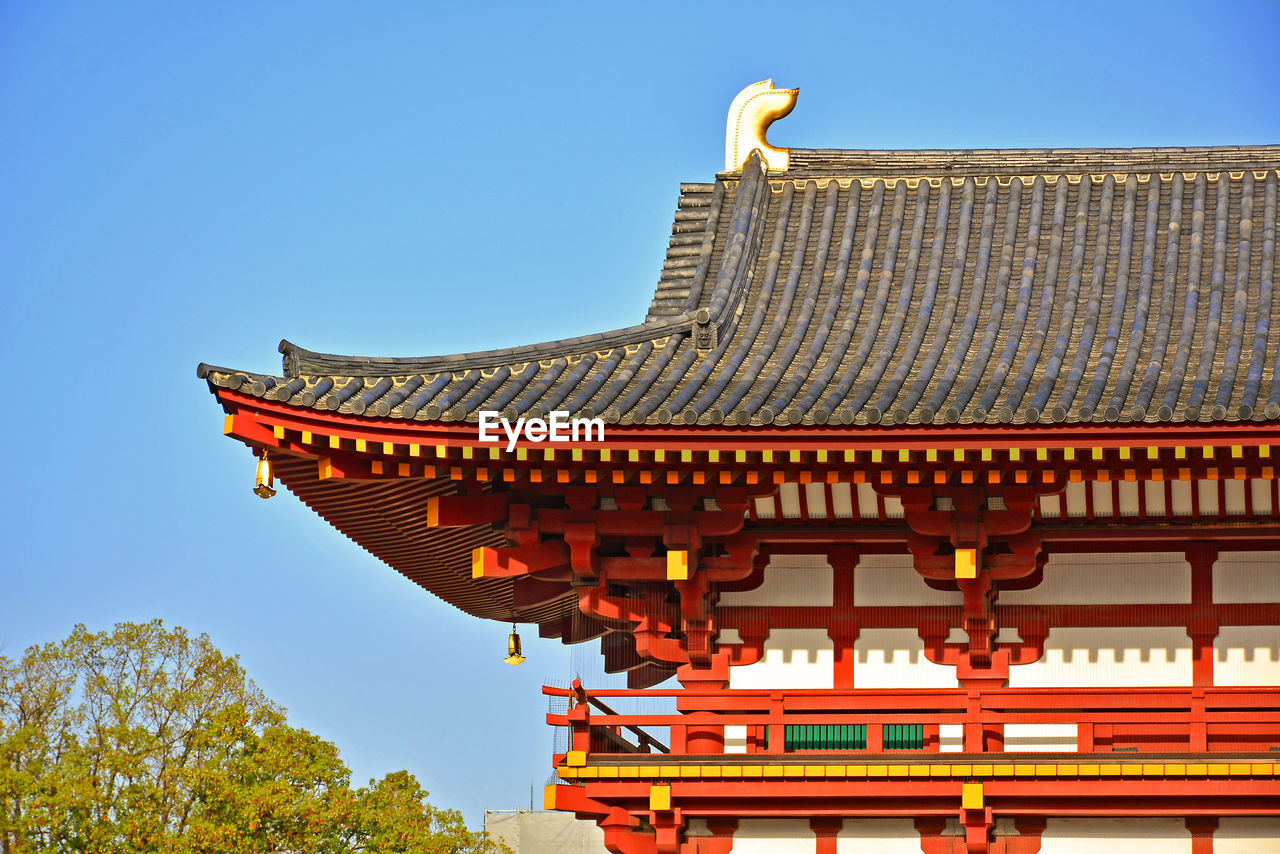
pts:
[515, 654]
[262, 488]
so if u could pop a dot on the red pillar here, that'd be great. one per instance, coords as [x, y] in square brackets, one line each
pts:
[1201, 828]
[826, 828]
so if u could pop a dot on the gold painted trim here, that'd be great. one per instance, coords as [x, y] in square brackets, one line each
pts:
[750, 114]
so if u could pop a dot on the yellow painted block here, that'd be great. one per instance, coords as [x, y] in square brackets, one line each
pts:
[588, 773]
[1175, 769]
[1109, 770]
[958, 455]
[961, 770]
[389, 448]
[1264, 451]
[982, 770]
[1066, 770]
[549, 797]
[987, 454]
[325, 468]
[1042, 454]
[821, 455]
[1218, 769]
[575, 454]
[897, 770]
[335, 442]
[690, 770]
[1152, 769]
[659, 798]
[415, 450]
[971, 796]
[1126, 453]
[731, 771]
[773, 770]
[1262, 769]
[1153, 452]
[650, 771]
[633, 456]
[1068, 453]
[939, 770]
[998, 771]
[574, 758]
[904, 455]
[659, 456]
[849, 455]
[548, 454]
[1131, 770]
[1208, 452]
[608, 772]
[1046, 770]
[1237, 451]
[918, 771]
[1239, 769]
[1096, 453]
[966, 563]
[670, 770]
[834, 770]
[855, 770]
[228, 425]
[1020, 770]
[1197, 769]
[1088, 770]
[1180, 452]
[567, 773]
[815, 771]
[752, 770]
[686, 455]
[477, 571]
[629, 771]
[308, 438]
[433, 513]
[677, 565]
[606, 455]
[277, 431]
[709, 770]
[740, 456]
[792, 771]
[877, 770]
[795, 456]
[522, 454]
[1015, 455]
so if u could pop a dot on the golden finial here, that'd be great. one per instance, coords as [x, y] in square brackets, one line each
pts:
[752, 111]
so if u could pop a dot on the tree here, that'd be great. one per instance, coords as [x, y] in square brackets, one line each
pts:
[144, 739]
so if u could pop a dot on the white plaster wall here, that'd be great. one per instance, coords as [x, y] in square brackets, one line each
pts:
[735, 739]
[1247, 577]
[894, 658]
[893, 580]
[1041, 738]
[1247, 835]
[951, 738]
[1101, 579]
[1109, 657]
[1130, 835]
[793, 658]
[774, 836]
[878, 836]
[1247, 655]
[789, 580]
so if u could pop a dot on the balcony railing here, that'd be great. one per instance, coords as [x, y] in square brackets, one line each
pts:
[1141, 720]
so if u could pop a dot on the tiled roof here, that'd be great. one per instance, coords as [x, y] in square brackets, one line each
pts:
[891, 287]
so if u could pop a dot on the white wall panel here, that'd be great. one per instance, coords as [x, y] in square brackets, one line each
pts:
[1207, 491]
[878, 836]
[894, 658]
[793, 658]
[1109, 657]
[789, 498]
[1155, 497]
[841, 501]
[1247, 655]
[1101, 579]
[735, 739]
[1247, 577]
[774, 836]
[790, 580]
[1180, 491]
[815, 500]
[1102, 498]
[1040, 738]
[1128, 497]
[1050, 506]
[893, 580]
[951, 738]
[1233, 492]
[1129, 835]
[867, 506]
[1261, 490]
[1247, 835]
[1074, 495]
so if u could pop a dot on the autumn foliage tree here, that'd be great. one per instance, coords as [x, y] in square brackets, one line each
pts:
[146, 739]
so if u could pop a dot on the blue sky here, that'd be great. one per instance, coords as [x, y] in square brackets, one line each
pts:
[192, 182]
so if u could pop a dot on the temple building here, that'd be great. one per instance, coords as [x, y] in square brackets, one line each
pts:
[933, 504]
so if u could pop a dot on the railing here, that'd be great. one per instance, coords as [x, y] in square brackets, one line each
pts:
[1148, 720]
